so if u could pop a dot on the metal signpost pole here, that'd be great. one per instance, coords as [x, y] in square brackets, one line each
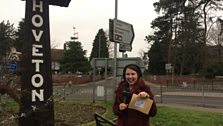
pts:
[115, 53]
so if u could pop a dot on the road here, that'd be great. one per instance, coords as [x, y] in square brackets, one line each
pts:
[103, 90]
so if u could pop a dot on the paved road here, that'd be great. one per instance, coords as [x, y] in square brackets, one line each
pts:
[103, 90]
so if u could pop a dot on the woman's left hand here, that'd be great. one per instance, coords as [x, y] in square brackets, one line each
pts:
[143, 94]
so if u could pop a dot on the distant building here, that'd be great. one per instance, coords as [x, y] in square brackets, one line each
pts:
[56, 55]
[214, 53]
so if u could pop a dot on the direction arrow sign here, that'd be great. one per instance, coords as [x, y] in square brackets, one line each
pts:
[125, 47]
[122, 32]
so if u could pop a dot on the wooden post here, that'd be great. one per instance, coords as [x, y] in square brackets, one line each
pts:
[37, 106]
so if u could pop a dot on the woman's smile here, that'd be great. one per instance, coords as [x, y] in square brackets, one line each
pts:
[131, 76]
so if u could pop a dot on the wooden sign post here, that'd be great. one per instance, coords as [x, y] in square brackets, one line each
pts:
[37, 106]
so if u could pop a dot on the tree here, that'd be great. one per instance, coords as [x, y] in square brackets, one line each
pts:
[178, 35]
[156, 58]
[215, 37]
[7, 37]
[100, 46]
[20, 35]
[74, 59]
[188, 39]
[159, 40]
[8, 85]
[213, 69]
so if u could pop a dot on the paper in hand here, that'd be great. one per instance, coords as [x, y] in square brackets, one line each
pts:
[140, 104]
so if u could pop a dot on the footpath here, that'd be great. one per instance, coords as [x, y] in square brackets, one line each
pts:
[190, 107]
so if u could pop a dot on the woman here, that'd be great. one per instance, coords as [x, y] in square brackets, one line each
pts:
[132, 82]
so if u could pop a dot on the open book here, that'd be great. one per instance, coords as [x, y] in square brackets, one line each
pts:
[140, 104]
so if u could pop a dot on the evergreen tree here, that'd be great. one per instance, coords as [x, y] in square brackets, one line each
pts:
[7, 37]
[177, 38]
[100, 46]
[74, 59]
[157, 60]
[20, 36]
[158, 51]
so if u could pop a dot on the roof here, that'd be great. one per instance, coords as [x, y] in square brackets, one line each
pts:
[56, 54]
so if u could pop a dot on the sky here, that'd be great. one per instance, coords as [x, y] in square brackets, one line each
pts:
[88, 16]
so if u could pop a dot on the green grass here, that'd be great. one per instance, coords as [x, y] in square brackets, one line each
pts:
[167, 116]
[184, 117]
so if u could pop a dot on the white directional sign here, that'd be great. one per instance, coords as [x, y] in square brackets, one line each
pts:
[125, 47]
[121, 63]
[121, 31]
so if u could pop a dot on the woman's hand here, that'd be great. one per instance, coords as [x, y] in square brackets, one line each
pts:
[143, 94]
[123, 106]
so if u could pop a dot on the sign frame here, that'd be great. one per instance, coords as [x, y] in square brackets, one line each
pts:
[121, 32]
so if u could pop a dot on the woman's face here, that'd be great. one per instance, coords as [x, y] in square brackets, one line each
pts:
[131, 76]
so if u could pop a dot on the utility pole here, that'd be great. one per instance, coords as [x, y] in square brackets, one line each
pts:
[115, 54]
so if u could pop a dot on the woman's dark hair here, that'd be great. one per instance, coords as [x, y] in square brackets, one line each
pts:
[132, 67]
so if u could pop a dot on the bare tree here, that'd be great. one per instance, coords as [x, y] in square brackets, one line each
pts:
[54, 44]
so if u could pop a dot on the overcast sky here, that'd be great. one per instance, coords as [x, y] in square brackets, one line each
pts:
[88, 16]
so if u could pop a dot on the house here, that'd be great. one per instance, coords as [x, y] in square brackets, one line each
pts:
[56, 55]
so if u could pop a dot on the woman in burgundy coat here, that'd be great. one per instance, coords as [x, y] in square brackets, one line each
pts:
[132, 83]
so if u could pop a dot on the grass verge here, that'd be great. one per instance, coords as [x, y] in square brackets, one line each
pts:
[80, 113]
[169, 116]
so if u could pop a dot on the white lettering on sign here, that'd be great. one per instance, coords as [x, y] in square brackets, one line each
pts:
[36, 51]
[40, 6]
[37, 20]
[37, 62]
[37, 78]
[37, 37]
[39, 95]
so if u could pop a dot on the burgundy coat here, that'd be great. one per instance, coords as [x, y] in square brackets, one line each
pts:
[130, 117]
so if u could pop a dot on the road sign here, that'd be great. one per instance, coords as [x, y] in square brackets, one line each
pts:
[168, 66]
[12, 67]
[125, 47]
[121, 63]
[120, 31]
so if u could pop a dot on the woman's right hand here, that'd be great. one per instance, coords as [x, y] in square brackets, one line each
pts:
[123, 106]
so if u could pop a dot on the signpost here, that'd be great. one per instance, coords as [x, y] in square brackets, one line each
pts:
[125, 47]
[121, 63]
[37, 107]
[121, 32]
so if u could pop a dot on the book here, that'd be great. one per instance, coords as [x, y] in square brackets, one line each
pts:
[140, 104]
